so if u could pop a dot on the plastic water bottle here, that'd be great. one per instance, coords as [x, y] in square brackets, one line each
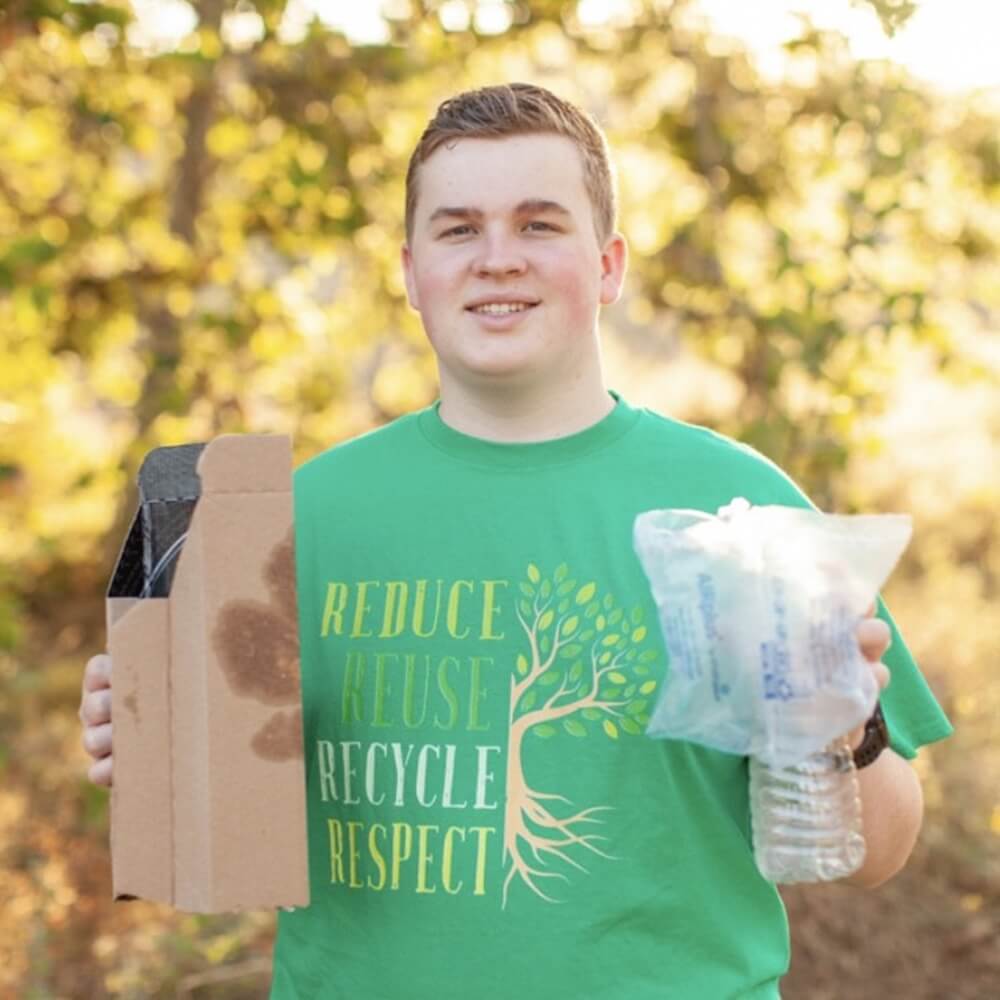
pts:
[806, 818]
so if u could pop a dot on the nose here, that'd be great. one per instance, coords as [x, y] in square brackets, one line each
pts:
[499, 255]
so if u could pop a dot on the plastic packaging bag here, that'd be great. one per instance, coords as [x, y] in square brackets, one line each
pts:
[759, 608]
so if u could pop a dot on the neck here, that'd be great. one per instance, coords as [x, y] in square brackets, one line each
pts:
[521, 414]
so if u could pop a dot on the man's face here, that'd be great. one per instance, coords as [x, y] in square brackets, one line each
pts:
[503, 263]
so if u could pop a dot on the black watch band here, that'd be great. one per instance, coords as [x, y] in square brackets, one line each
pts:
[875, 740]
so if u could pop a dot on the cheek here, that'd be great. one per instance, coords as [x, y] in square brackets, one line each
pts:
[578, 283]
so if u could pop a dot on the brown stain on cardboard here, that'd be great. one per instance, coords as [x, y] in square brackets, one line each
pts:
[280, 738]
[132, 705]
[257, 646]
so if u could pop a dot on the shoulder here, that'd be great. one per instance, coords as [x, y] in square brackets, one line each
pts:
[706, 452]
[357, 454]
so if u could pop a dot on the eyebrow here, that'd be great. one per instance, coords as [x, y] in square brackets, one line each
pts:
[530, 206]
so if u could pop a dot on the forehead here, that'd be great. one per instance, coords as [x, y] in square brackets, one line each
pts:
[494, 175]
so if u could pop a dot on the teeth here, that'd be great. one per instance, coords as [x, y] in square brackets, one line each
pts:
[501, 308]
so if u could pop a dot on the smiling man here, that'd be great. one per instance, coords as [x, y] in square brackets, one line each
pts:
[480, 650]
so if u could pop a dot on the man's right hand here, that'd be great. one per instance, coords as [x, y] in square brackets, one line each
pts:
[95, 714]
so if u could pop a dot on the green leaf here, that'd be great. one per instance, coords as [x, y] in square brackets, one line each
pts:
[565, 587]
[573, 649]
[545, 644]
[609, 602]
[604, 659]
[570, 625]
[636, 615]
[643, 720]
[593, 714]
[546, 620]
[610, 639]
[576, 671]
[529, 699]
[648, 656]
[648, 688]
[549, 678]
[527, 589]
[525, 608]
[615, 617]
[585, 593]
[522, 664]
[544, 730]
[611, 729]
[612, 693]
[629, 691]
[574, 728]
[563, 606]
[636, 707]
[642, 671]
[533, 575]
[616, 677]
[630, 726]
[586, 635]
[591, 609]
[600, 623]
[561, 570]
[639, 634]
[546, 588]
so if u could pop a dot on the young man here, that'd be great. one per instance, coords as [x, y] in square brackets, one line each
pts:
[480, 649]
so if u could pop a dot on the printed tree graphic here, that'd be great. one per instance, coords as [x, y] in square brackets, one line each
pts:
[584, 672]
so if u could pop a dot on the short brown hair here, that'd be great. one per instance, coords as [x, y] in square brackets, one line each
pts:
[519, 109]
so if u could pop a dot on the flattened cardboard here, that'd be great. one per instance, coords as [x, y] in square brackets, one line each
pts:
[208, 801]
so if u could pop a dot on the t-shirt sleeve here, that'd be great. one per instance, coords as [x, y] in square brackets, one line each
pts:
[912, 713]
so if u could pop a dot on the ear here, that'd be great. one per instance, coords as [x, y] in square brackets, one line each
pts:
[406, 259]
[614, 261]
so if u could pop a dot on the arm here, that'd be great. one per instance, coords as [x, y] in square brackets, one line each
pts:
[891, 799]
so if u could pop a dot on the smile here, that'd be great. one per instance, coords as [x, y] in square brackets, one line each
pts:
[502, 308]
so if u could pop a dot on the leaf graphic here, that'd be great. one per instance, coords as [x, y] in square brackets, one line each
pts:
[629, 691]
[527, 589]
[576, 670]
[533, 575]
[546, 620]
[639, 634]
[586, 592]
[611, 729]
[524, 607]
[586, 635]
[630, 726]
[528, 701]
[613, 693]
[615, 617]
[609, 602]
[648, 688]
[591, 609]
[561, 570]
[549, 678]
[592, 713]
[546, 588]
[545, 731]
[574, 728]
[636, 615]
[563, 606]
[648, 656]
[643, 720]
[601, 622]
[545, 644]
[522, 664]
[642, 671]
[573, 649]
[604, 659]
[616, 677]
[636, 707]
[565, 587]
[611, 639]
[570, 625]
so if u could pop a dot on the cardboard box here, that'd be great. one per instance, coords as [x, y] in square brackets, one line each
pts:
[208, 802]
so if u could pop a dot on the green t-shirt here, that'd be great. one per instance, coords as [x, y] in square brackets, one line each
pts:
[480, 654]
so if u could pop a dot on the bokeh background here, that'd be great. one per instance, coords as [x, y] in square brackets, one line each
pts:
[200, 214]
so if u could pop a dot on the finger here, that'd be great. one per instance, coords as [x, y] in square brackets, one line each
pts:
[100, 772]
[873, 638]
[97, 674]
[97, 740]
[882, 675]
[96, 707]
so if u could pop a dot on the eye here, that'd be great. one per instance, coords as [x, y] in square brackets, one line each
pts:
[461, 230]
[541, 227]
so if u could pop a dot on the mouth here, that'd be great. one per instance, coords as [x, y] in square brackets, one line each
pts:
[500, 308]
